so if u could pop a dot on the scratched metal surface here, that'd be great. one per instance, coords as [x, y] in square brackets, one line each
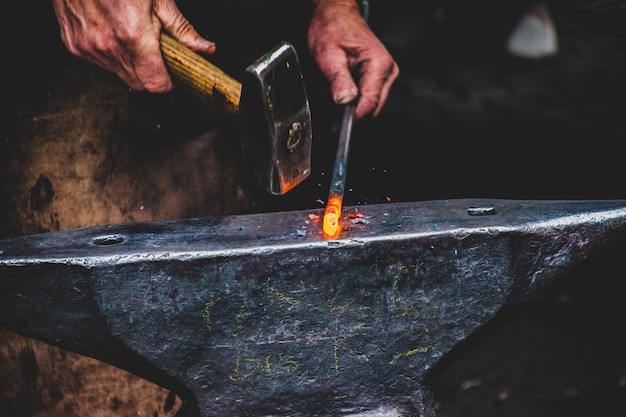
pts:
[261, 315]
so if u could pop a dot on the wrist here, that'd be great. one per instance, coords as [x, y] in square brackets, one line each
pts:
[351, 4]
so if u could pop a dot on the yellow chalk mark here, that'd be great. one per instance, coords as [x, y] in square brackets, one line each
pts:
[402, 313]
[422, 349]
[411, 352]
[245, 363]
[240, 315]
[206, 313]
[416, 350]
[237, 360]
[423, 332]
[288, 364]
[268, 367]
[281, 297]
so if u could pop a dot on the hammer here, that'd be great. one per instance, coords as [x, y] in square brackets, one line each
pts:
[271, 106]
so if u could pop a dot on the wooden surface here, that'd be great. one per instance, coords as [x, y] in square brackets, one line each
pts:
[39, 380]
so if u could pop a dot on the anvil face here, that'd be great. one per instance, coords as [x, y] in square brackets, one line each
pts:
[261, 315]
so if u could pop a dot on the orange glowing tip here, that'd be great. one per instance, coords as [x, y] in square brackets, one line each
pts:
[331, 216]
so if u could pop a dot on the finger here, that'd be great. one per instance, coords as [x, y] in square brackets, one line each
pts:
[375, 84]
[150, 68]
[334, 66]
[129, 77]
[180, 28]
[389, 81]
[370, 87]
[343, 88]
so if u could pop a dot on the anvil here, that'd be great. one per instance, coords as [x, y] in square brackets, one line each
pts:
[260, 315]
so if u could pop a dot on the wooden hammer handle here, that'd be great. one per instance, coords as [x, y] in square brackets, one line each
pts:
[209, 83]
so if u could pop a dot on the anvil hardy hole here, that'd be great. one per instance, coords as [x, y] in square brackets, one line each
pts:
[481, 211]
[108, 240]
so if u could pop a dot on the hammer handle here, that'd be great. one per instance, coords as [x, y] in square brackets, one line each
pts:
[209, 83]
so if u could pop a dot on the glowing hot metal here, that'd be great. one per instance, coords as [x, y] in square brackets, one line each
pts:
[331, 216]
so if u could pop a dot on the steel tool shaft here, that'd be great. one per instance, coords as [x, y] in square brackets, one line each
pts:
[332, 213]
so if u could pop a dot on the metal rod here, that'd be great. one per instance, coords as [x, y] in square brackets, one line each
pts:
[338, 181]
[332, 213]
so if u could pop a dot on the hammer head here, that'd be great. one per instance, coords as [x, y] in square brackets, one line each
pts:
[276, 120]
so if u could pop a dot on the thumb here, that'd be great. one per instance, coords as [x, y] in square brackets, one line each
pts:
[342, 86]
[334, 65]
[179, 27]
